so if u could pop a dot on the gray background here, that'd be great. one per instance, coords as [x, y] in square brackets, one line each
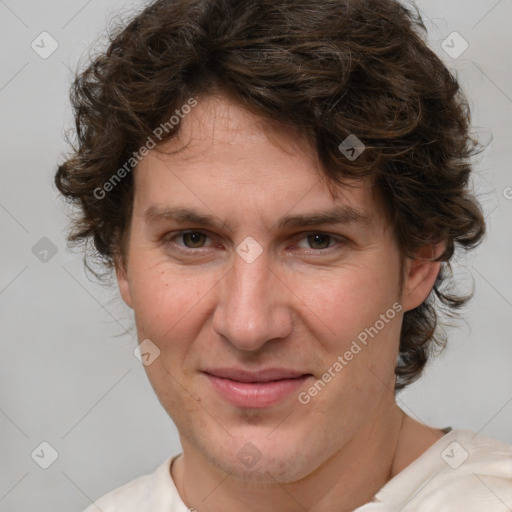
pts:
[67, 378]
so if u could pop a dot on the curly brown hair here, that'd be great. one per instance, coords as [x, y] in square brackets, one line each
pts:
[329, 68]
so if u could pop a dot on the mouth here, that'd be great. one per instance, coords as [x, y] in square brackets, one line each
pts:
[255, 390]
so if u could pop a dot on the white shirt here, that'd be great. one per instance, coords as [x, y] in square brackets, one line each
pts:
[461, 472]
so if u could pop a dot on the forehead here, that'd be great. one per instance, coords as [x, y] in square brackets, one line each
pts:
[225, 154]
[218, 128]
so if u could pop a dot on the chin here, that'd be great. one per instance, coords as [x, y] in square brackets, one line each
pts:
[257, 459]
[283, 471]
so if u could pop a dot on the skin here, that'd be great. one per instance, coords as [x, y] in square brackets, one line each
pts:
[299, 305]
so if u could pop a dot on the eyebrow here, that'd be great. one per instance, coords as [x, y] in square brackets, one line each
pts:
[341, 215]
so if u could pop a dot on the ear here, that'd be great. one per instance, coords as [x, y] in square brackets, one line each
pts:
[123, 283]
[420, 275]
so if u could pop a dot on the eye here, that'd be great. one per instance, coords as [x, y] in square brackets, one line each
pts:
[319, 241]
[193, 239]
[190, 240]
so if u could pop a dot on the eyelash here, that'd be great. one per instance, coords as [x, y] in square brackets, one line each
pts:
[336, 239]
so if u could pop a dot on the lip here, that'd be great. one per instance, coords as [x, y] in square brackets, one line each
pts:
[256, 390]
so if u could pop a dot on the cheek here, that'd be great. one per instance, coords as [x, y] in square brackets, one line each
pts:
[345, 301]
[166, 301]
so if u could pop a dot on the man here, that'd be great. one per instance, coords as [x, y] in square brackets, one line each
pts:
[279, 187]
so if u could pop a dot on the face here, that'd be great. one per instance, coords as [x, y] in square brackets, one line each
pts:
[258, 284]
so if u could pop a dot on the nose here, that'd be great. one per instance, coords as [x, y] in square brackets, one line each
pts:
[252, 306]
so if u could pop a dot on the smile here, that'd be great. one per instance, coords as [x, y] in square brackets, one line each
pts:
[255, 390]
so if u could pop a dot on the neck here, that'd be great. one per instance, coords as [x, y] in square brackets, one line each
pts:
[346, 480]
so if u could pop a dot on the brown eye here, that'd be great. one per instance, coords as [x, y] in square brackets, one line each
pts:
[319, 241]
[193, 239]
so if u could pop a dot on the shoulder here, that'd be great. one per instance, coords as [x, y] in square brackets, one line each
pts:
[475, 474]
[462, 472]
[145, 493]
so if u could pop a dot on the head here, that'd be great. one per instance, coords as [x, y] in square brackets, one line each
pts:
[207, 122]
